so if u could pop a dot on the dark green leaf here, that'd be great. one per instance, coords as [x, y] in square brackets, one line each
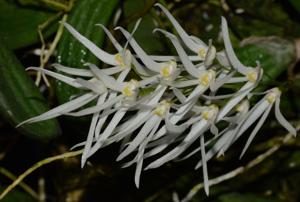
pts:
[20, 99]
[19, 25]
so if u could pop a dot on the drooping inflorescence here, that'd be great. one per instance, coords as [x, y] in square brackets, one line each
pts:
[181, 106]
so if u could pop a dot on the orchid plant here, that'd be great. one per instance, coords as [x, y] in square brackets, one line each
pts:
[182, 106]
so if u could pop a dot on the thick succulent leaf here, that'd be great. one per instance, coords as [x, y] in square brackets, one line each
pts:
[20, 99]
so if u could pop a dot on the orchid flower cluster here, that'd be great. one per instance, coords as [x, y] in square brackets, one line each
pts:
[173, 103]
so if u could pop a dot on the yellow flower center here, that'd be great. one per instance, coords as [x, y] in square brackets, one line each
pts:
[252, 76]
[202, 53]
[210, 112]
[162, 108]
[165, 71]
[271, 97]
[119, 60]
[207, 77]
[130, 88]
[123, 61]
[168, 69]
[242, 106]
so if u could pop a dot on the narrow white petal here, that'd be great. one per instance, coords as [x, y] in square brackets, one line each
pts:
[146, 129]
[183, 84]
[112, 70]
[255, 130]
[282, 120]
[179, 95]
[123, 75]
[140, 69]
[173, 128]
[229, 138]
[204, 165]
[90, 136]
[143, 113]
[109, 81]
[73, 71]
[225, 135]
[177, 116]
[136, 25]
[84, 72]
[140, 155]
[195, 132]
[112, 124]
[68, 80]
[188, 65]
[237, 80]
[108, 131]
[99, 53]
[241, 94]
[151, 64]
[247, 121]
[210, 55]
[62, 109]
[230, 52]
[186, 107]
[111, 37]
[214, 130]
[253, 116]
[81, 144]
[148, 81]
[183, 35]
[96, 86]
[94, 109]
[197, 40]
[218, 97]
[223, 59]
[219, 82]
[102, 119]
[168, 157]
[165, 58]
[138, 121]
[138, 171]
[107, 111]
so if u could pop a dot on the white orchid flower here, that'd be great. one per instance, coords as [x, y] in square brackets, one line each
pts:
[138, 112]
[193, 43]
[260, 110]
[168, 70]
[249, 72]
[121, 60]
[186, 107]
[144, 136]
[140, 70]
[110, 134]
[162, 143]
[129, 95]
[242, 109]
[204, 78]
[94, 87]
[128, 127]
[253, 75]
[198, 129]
